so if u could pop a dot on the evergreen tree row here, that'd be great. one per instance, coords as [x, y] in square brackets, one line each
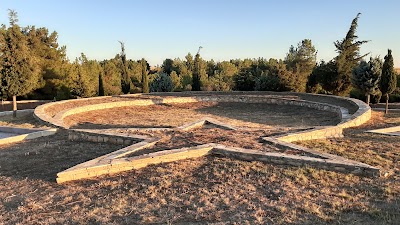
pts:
[33, 65]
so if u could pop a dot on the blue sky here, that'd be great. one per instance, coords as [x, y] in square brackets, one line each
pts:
[157, 29]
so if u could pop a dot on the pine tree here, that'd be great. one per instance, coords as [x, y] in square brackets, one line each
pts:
[323, 77]
[366, 76]
[189, 62]
[19, 72]
[111, 77]
[347, 59]
[388, 80]
[176, 81]
[301, 62]
[51, 59]
[245, 81]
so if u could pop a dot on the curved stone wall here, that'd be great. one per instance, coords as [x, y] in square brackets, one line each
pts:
[360, 116]
[352, 113]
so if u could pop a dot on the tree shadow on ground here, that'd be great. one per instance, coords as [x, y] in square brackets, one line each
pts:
[272, 115]
[44, 157]
[23, 119]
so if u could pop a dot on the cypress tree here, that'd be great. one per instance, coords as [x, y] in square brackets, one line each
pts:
[196, 73]
[388, 81]
[125, 81]
[145, 79]
[101, 85]
[347, 59]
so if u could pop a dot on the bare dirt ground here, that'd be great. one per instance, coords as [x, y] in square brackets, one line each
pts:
[249, 139]
[251, 115]
[207, 190]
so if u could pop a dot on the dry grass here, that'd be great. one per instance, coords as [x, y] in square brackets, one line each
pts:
[207, 190]
[252, 115]
[249, 139]
[23, 119]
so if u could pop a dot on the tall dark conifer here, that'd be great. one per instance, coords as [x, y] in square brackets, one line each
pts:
[388, 80]
[125, 81]
[101, 85]
[145, 79]
[196, 73]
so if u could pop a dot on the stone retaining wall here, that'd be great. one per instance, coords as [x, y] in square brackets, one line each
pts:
[116, 165]
[316, 133]
[105, 138]
[114, 162]
[362, 115]
[8, 113]
[24, 134]
[58, 119]
[332, 164]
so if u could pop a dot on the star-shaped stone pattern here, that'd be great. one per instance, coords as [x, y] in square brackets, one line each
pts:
[208, 136]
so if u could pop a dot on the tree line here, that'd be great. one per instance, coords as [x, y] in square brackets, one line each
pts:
[33, 65]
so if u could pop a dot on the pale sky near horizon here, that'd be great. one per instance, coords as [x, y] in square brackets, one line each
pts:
[156, 29]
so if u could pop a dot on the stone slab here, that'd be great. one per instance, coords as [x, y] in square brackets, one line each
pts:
[391, 131]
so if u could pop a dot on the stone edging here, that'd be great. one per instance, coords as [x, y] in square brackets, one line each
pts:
[392, 131]
[362, 115]
[115, 162]
[7, 113]
[25, 101]
[24, 134]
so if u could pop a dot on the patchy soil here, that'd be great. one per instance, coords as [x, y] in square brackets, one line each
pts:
[198, 191]
[374, 149]
[206, 190]
[23, 119]
[250, 115]
[248, 139]
[44, 157]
